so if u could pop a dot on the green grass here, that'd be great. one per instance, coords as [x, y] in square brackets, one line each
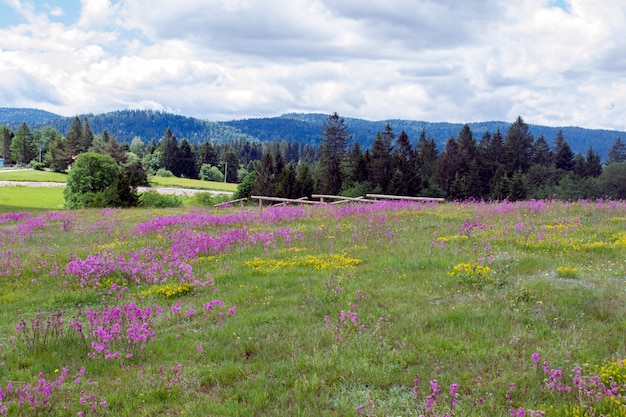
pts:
[189, 183]
[32, 175]
[18, 198]
[278, 355]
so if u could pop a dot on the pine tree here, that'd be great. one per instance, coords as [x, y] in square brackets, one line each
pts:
[187, 160]
[541, 154]
[404, 162]
[332, 153]
[563, 155]
[593, 163]
[86, 137]
[74, 145]
[449, 165]
[304, 181]
[171, 152]
[287, 185]
[425, 161]
[23, 148]
[264, 179]
[380, 174]
[517, 145]
[617, 153]
[6, 136]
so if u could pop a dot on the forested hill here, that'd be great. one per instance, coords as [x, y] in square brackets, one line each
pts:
[303, 128]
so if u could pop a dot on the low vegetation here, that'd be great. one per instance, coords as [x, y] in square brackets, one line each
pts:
[475, 309]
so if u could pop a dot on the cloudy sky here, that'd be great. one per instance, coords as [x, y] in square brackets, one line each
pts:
[554, 62]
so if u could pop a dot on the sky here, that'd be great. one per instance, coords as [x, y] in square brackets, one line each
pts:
[553, 62]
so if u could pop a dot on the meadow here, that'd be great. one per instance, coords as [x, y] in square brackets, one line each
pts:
[389, 309]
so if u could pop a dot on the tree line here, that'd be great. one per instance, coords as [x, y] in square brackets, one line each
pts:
[512, 164]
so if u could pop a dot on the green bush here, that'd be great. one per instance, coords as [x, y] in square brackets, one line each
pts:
[211, 173]
[36, 165]
[162, 172]
[154, 199]
[92, 182]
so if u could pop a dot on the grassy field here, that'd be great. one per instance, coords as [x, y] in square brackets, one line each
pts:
[31, 175]
[18, 198]
[48, 176]
[392, 309]
[189, 183]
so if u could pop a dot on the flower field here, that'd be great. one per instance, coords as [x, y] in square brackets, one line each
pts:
[389, 309]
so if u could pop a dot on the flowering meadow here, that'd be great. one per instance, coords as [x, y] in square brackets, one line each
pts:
[387, 309]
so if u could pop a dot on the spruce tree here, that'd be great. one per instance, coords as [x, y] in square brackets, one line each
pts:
[74, 145]
[6, 136]
[563, 155]
[617, 153]
[593, 164]
[171, 152]
[517, 145]
[332, 153]
[86, 137]
[187, 160]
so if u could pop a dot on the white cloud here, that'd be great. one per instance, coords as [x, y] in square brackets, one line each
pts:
[416, 59]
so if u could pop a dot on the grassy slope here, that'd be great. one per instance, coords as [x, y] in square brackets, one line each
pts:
[277, 356]
[189, 183]
[32, 175]
[17, 198]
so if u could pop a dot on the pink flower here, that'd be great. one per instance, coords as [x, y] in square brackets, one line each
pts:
[536, 359]
[199, 348]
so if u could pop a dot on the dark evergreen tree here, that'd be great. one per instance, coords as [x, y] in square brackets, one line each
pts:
[207, 154]
[563, 155]
[6, 136]
[448, 166]
[380, 174]
[229, 163]
[517, 187]
[541, 154]
[593, 164]
[404, 161]
[617, 153]
[171, 152]
[287, 186]
[23, 148]
[397, 185]
[152, 146]
[332, 153]
[486, 164]
[357, 165]
[308, 154]
[579, 166]
[517, 145]
[425, 162]
[187, 160]
[264, 177]
[467, 148]
[86, 137]
[74, 145]
[304, 181]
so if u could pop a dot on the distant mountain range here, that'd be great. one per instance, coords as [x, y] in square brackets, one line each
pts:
[303, 128]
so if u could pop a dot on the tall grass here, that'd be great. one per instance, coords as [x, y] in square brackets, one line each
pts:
[389, 309]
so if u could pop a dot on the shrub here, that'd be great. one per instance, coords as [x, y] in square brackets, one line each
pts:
[154, 199]
[211, 173]
[36, 165]
[162, 172]
[92, 181]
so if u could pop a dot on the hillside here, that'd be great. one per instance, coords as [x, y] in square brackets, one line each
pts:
[303, 128]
